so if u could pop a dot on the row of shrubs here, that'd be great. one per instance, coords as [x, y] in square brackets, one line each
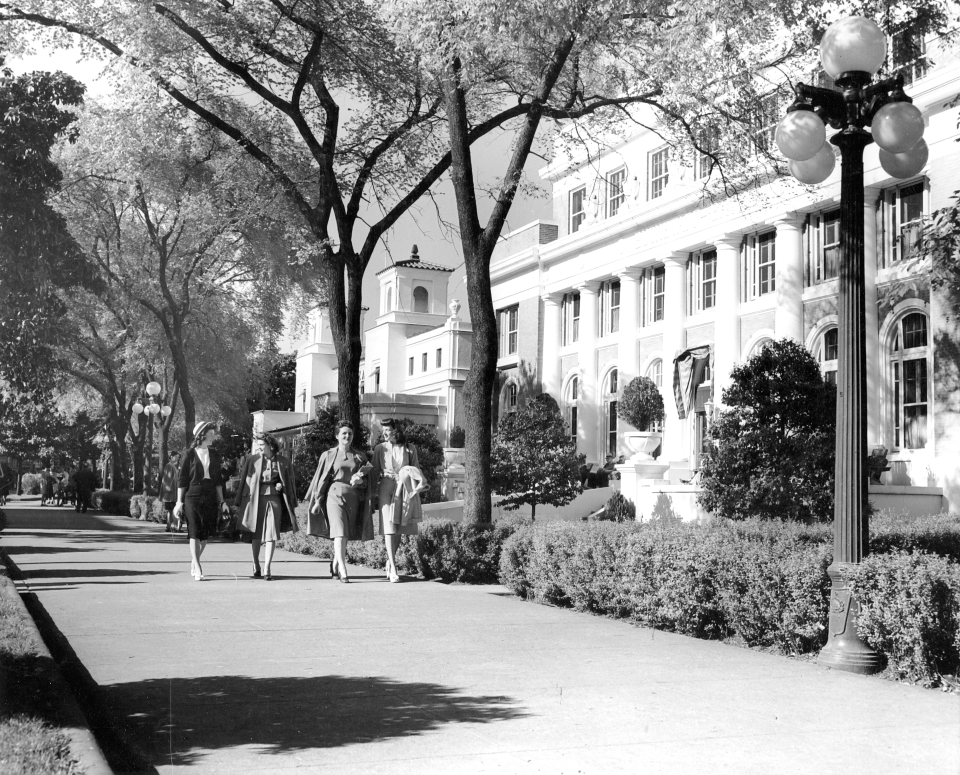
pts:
[761, 583]
[127, 504]
[442, 549]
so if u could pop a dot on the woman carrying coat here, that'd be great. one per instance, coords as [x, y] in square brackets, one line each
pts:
[200, 492]
[389, 458]
[339, 507]
[267, 501]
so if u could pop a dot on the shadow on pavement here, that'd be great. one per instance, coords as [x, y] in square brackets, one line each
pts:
[43, 549]
[84, 573]
[176, 721]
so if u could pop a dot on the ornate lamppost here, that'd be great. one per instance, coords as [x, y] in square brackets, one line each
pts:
[851, 52]
[150, 411]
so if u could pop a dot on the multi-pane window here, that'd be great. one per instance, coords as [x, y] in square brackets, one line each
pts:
[610, 415]
[511, 402]
[507, 322]
[578, 208]
[908, 55]
[570, 318]
[423, 362]
[410, 366]
[823, 247]
[609, 307]
[652, 294]
[909, 364]
[655, 374]
[573, 394]
[439, 357]
[658, 173]
[901, 220]
[708, 142]
[759, 265]
[703, 280]
[616, 181]
[827, 354]
[765, 119]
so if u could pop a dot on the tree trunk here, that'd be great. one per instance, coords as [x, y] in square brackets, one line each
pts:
[138, 444]
[119, 453]
[344, 280]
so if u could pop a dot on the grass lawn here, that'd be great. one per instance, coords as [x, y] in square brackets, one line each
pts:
[28, 744]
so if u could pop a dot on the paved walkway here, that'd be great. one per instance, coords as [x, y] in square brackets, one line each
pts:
[233, 675]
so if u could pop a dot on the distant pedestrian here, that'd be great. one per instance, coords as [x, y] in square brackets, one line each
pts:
[339, 507]
[86, 482]
[46, 487]
[266, 500]
[7, 479]
[168, 490]
[200, 492]
[70, 487]
[59, 486]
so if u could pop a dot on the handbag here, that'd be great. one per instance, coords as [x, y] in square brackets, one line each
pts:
[226, 522]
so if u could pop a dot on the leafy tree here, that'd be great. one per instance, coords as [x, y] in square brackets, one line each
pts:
[771, 450]
[533, 460]
[38, 256]
[276, 388]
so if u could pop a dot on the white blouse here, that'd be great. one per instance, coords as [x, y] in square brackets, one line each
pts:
[204, 454]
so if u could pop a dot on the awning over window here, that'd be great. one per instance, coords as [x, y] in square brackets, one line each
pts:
[688, 369]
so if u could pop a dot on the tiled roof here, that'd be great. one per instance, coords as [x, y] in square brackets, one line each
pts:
[416, 263]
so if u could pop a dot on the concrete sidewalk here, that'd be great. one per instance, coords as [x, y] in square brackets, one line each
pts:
[238, 675]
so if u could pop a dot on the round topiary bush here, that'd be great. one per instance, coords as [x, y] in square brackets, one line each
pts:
[640, 403]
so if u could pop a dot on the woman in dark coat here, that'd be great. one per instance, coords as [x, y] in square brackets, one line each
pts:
[267, 501]
[339, 507]
[200, 492]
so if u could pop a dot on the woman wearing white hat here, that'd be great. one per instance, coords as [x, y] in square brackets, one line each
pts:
[200, 492]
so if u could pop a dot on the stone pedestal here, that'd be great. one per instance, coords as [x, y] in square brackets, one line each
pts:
[636, 481]
[454, 475]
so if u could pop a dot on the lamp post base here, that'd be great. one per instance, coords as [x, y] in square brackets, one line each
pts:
[844, 649]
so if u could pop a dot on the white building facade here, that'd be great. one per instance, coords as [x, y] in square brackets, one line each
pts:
[635, 269]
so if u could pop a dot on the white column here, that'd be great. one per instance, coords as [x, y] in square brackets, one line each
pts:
[550, 380]
[726, 326]
[628, 353]
[871, 319]
[675, 434]
[789, 277]
[588, 416]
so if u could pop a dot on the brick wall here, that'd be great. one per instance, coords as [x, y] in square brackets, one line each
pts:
[650, 345]
[698, 335]
[524, 238]
[605, 355]
[750, 324]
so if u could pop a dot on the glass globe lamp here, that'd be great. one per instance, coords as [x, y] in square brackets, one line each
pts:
[815, 170]
[137, 408]
[153, 388]
[854, 44]
[800, 134]
[905, 165]
[897, 127]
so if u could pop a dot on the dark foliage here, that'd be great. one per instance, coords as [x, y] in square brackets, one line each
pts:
[771, 451]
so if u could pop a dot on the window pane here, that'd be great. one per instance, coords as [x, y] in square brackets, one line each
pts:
[830, 263]
[615, 192]
[830, 344]
[613, 381]
[915, 427]
[914, 331]
[659, 173]
[915, 381]
[577, 212]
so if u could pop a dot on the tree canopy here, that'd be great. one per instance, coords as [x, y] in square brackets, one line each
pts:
[771, 450]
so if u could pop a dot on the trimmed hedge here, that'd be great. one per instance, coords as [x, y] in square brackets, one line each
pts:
[761, 583]
[31, 484]
[112, 502]
[443, 549]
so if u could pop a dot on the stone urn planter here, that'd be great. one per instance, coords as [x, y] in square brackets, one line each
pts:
[454, 456]
[642, 444]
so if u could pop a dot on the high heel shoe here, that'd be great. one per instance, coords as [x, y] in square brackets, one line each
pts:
[333, 573]
[257, 574]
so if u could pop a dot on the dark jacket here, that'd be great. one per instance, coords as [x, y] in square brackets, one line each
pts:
[85, 480]
[191, 470]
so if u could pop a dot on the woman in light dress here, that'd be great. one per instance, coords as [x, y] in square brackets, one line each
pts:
[397, 481]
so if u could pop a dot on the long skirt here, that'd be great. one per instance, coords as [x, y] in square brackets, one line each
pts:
[200, 510]
[343, 505]
[269, 514]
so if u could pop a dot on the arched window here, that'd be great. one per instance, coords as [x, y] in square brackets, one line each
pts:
[610, 395]
[827, 345]
[655, 374]
[389, 300]
[421, 300]
[760, 346]
[908, 361]
[570, 399]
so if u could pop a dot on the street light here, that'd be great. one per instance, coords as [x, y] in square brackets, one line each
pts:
[150, 410]
[851, 52]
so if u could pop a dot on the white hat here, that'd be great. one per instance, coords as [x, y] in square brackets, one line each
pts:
[200, 426]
